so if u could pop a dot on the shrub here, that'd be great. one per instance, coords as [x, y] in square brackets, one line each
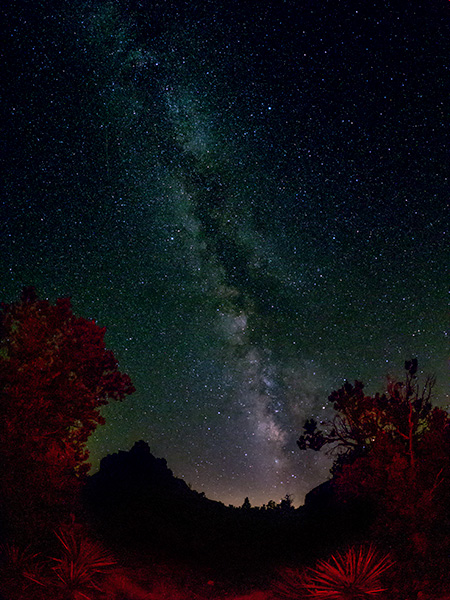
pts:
[78, 573]
[354, 575]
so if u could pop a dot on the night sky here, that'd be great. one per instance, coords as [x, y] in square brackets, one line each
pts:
[253, 198]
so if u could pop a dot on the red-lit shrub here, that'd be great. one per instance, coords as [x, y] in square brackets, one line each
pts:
[79, 571]
[354, 575]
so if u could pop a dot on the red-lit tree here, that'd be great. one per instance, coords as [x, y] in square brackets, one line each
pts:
[393, 450]
[401, 414]
[55, 374]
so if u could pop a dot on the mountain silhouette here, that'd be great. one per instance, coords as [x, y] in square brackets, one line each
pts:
[136, 502]
[126, 475]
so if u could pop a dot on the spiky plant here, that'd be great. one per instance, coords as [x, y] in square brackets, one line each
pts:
[17, 558]
[78, 573]
[354, 575]
[20, 571]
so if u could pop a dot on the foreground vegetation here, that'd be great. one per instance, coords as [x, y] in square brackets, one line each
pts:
[380, 528]
[83, 568]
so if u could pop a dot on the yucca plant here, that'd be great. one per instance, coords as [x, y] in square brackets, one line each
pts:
[78, 573]
[18, 559]
[354, 575]
[20, 571]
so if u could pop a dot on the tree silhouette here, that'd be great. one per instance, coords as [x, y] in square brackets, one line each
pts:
[286, 504]
[246, 504]
[55, 374]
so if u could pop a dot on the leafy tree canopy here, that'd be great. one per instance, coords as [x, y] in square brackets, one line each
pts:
[402, 414]
[393, 450]
[55, 374]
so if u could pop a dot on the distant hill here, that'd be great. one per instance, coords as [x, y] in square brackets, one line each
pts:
[123, 476]
[136, 502]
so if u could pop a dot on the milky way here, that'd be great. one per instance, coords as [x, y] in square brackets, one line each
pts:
[254, 200]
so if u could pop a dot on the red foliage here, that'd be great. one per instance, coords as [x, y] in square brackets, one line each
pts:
[393, 451]
[55, 374]
[411, 498]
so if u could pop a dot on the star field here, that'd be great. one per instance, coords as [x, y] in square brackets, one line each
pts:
[253, 199]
